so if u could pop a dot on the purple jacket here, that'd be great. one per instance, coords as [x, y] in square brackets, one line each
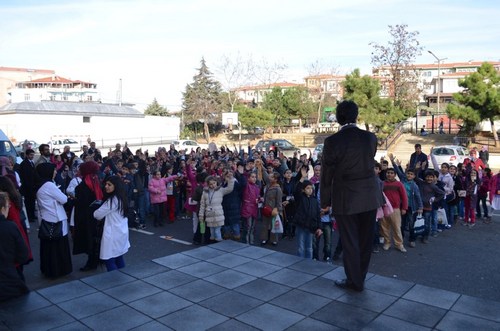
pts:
[249, 206]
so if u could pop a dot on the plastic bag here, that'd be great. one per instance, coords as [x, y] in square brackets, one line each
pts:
[419, 226]
[277, 225]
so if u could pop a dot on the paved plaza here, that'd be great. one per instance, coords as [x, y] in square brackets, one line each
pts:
[233, 286]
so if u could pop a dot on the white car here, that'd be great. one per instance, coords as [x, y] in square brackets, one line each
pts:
[188, 145]
[450, 154]
[58, 144]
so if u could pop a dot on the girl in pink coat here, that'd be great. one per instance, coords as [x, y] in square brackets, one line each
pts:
[249, 209]
[158, 195]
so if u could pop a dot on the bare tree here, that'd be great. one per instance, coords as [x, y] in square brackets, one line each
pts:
[234, 71]
[267, 73]
[398, 56]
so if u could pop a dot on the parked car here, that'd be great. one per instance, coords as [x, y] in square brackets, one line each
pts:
[318, 150]
[58, 145]
[30, 144]
[188, 145]
[283, 145]
[450, 154]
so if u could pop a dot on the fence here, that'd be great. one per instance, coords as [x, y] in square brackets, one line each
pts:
[399, 129]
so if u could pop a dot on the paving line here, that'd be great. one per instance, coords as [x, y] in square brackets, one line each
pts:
[176, 240]
[142, 231]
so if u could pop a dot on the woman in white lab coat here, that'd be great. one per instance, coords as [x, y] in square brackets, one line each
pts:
[114, 243]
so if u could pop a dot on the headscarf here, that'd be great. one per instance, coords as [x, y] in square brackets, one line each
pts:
[88, 171]
[45, 172]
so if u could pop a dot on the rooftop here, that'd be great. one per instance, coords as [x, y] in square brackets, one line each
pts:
[70, 108]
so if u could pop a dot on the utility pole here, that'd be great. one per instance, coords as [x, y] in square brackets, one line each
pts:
[438, 86]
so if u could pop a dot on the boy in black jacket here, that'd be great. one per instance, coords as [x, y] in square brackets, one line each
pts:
[307, 218]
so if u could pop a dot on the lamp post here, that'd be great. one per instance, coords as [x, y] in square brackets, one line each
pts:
[438, 80]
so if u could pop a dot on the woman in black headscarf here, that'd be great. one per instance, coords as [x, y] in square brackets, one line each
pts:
[55, 257]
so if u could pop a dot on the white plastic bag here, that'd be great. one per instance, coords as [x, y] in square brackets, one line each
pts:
[441, 216]
[419, 226]
[277, 225]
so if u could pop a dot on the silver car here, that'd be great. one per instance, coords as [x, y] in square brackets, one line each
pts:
[450, 154]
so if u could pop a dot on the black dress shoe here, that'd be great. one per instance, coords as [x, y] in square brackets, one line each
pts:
[347, 285]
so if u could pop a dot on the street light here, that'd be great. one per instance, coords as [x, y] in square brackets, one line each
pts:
[438, 80]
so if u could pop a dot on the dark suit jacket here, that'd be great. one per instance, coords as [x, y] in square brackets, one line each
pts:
[28, 177]
[348, 183]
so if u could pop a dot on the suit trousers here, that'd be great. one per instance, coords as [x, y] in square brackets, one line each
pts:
[356, 234]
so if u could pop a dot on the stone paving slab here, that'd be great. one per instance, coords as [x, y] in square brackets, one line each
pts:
[233, 286]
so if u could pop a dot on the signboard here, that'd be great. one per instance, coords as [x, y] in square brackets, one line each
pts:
[229, 119]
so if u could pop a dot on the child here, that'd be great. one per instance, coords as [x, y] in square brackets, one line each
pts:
[211, 210]
[396, 195]
[249, 208]
[158, 195]
[430, 193]
[307, 218]
[471, 189]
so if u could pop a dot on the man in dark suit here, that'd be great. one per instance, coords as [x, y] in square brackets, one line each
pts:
[350, 187]
[28, 180]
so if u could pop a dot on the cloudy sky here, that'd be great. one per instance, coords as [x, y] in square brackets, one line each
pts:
[155, 46]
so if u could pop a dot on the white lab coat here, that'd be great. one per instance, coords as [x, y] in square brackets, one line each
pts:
[114, 241]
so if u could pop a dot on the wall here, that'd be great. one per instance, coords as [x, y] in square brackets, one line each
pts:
[101, 129]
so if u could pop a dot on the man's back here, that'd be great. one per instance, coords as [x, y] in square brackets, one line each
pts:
[348, 176]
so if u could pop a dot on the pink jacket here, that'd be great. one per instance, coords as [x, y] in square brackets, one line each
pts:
[158, 189]
[249, 207]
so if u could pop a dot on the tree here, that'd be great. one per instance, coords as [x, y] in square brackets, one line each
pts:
[251, 118]
[234, 73]
[202, 99]
[297, 103]
[398, 56]
[266, 72]
[480, 99]
[273, 102]
[155, 109]
[378, 112]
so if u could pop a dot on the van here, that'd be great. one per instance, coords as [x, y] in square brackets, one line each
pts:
[7, 148]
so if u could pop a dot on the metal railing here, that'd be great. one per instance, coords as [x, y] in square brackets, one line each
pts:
[399, 129]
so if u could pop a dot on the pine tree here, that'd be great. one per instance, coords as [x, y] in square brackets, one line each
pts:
[155, 109]
[202, 99]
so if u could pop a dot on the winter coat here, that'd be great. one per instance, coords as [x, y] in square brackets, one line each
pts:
[13, 251]
[307, 211]
[211, 210]
[158, 189]
[86, 227]
[231, 204]
[249, 206]
[114, 241]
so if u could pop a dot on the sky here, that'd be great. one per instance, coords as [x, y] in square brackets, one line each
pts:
[154, 47]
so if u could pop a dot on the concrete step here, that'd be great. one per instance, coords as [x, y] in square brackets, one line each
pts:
[405, 145]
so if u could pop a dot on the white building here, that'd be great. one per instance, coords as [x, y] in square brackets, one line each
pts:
[106, 124]
[53, 88]
[9, 76]
[255, 93]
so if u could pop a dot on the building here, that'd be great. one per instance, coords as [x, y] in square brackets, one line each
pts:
[106, 124]
[10, 76]
[325, 84]
[254, 94]
[433, 77]
[53, 88]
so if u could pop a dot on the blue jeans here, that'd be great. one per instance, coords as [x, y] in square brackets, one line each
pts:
[234, 228]
[215, 233]
[304, 242]
[115, 263]
[326, 227]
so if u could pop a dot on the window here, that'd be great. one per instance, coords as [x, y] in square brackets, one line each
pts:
[26, 97]
[65, 97]
[89, 98]
[86, 119]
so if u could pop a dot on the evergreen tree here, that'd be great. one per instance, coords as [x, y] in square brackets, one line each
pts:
[480, 99]
[155, 109]
[298, 104]
[373, 110]
[202, 99]
[273, 102]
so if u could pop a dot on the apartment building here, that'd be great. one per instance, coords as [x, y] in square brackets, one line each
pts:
[254, 94]
[9, 76]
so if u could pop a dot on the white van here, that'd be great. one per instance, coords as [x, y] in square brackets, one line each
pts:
[7, 148]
